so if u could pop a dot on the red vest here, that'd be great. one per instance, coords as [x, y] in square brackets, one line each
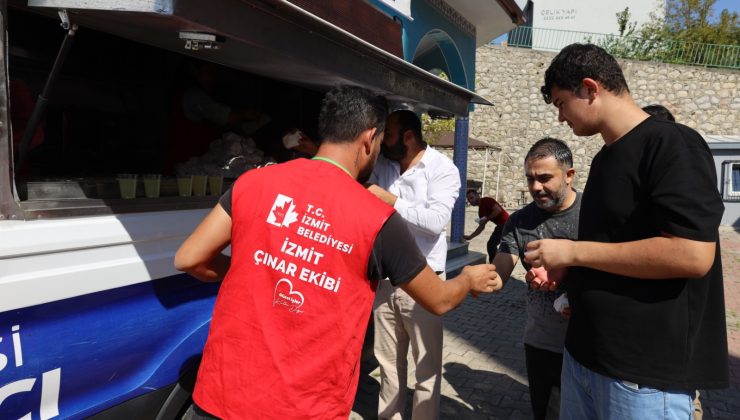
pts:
[291, 315]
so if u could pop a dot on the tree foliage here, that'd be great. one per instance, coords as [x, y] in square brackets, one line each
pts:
[692, 21]
[686, 32]
[432, 128]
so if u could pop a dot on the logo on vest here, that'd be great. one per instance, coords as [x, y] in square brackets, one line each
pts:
[283, 212]
[285, 295]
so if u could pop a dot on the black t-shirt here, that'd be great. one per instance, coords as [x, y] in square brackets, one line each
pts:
[395, 254]
[668, 333]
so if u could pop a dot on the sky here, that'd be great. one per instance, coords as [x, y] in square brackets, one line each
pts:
[731, 5]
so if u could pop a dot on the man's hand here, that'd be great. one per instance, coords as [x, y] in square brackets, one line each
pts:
[382, 194]
[481, 225]
[439, 297]
[482, 278]
[546, 281]
[550, 253]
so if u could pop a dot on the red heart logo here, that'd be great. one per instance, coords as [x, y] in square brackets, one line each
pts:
[285, 295]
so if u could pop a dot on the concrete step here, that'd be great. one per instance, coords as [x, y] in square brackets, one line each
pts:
[454, 266]
[456, 249]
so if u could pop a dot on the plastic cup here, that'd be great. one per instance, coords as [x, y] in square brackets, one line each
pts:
[215, 184]
[127, 185]
[151, 185]
[184, 185]
[199, 184]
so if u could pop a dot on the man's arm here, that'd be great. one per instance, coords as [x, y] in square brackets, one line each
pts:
[433, 215]
[504, 264]
[478, 230]
[439, 297]
[661, 257]
[396, 256]
[200, 255]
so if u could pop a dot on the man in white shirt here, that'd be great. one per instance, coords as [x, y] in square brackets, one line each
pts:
[422, 185]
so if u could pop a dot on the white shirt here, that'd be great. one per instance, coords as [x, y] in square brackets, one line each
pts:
[426, 194]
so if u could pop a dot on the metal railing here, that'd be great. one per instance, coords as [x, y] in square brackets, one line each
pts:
[667, 51]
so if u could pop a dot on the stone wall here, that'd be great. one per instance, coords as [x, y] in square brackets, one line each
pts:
[704, 99]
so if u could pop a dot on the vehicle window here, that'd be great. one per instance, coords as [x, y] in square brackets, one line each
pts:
[130, 127]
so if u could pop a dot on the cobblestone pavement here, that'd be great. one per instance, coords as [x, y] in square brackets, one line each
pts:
[484, 375]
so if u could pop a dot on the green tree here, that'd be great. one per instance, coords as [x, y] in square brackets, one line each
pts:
[685, 33]
[691, 20]
[432, 128]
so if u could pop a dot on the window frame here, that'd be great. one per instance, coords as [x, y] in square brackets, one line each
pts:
[728, 192]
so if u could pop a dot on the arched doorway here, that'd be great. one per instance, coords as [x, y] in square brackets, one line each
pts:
[437, 52]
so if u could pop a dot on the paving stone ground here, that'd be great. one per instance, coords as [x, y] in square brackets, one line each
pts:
[484, 375]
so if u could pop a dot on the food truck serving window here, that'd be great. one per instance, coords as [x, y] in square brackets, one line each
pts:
[120, 110]
[130, 127]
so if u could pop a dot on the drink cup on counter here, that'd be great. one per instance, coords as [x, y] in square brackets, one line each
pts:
[151, 185]
[127, 185]
[184, 185]
[199, 184]
[215, 184]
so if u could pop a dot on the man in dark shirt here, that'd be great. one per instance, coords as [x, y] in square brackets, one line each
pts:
[553, 213]
[647, 322]
[267, 308]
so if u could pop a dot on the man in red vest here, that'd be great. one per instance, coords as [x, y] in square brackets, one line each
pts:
[308, 246]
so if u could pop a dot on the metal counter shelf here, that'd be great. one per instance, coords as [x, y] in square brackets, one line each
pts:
[89, 196]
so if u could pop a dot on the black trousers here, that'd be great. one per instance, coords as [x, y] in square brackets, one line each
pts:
[543, 372]
[493, 241]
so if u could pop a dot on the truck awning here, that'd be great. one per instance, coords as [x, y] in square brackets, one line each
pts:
[271, 38]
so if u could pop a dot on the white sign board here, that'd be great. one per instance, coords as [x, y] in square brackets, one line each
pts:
[592, 17]
[401, 6]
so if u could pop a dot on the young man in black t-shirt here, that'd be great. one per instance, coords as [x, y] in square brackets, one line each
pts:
[647, 320]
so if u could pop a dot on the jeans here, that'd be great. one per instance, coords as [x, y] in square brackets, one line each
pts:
[586, 395]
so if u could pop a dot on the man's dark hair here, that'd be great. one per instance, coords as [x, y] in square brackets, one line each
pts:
[407, 120]
[347, 111]
[579, 61]
[547, 147]
[659, 111]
